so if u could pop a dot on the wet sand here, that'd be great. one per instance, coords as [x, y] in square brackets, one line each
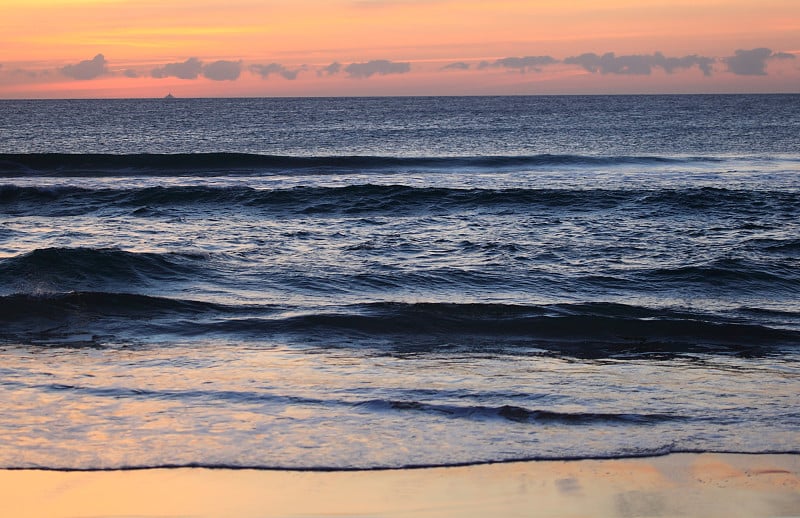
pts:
[675, 485]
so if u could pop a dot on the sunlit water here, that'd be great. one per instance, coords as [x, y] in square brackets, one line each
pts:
[359, 283]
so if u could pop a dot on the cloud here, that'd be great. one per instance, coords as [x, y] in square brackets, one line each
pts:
[276, 68]
[332, 69]
[460, 65]
[753, 62]
[379, 66]
[638, 64]
[11, 72]
[223, 70]
[189, 69]
[87, 69]
[130, 73]
[670, 64]
[523, 64]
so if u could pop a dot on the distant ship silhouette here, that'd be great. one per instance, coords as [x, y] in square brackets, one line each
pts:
[169, 96]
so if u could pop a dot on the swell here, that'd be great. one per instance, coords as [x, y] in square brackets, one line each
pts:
[94, 319]
[597, 329]
[64, 164]
[49, 272]
[468, 412]
[572, 326]
[774, 274]
[19, 306]
[68, 269]
[518, 414]
[371, 198]
[705, 198]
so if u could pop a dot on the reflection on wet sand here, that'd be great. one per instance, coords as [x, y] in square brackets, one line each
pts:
[674, 485]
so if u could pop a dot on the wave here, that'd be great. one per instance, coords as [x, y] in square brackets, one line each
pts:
[772, 274]
[19, 308]
[597, 324]
[144, 164]
[517, 414]
[513, 413]
[627, 453]
[68, 269]
[77, 319]
[789, 246]
[389, 199]
[705, 198]
[591, 329]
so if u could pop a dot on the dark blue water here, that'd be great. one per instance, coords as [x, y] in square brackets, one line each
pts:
[388, 282]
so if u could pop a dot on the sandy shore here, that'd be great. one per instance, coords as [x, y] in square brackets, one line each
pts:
[676, 485]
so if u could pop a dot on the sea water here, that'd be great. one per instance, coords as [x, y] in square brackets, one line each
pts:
[354, 283]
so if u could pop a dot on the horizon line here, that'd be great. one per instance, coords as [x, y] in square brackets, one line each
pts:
[407, 96]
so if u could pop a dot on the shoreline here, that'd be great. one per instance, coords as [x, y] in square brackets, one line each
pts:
[679, 484]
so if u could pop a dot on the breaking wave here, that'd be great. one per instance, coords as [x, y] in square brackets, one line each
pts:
[64, 164]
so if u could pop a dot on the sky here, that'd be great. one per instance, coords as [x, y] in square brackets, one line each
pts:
[260, 48]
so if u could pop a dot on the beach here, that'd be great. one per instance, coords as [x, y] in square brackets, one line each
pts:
[393, 306]
[730, 485]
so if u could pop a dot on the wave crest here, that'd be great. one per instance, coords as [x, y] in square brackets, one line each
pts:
[82, 269]
[587, 330]
[64, 164]
[394, 199]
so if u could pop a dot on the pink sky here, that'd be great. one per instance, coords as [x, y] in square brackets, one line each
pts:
[146, 48]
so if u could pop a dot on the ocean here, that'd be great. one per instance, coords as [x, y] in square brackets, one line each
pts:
[366, 283]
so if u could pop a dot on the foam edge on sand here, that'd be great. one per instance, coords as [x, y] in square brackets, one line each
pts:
[732, 485]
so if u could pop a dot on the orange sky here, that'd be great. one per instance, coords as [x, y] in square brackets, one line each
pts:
[143, 48]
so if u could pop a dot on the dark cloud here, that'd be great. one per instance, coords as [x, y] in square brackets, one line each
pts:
[523, 64]
[638, 64]
[22, 72]
[332, 69]
[753, 62]
[189, 69]
[456, 66]
[223, 70]
[276, 68]
[87, 69]
[609, 63]
[379, 66]
[670, 64]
